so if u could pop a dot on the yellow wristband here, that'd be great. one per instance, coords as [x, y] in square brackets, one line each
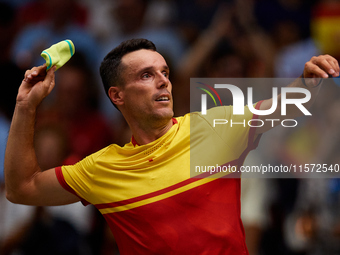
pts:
[58, 54]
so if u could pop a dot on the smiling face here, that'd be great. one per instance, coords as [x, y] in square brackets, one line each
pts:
[146, 92]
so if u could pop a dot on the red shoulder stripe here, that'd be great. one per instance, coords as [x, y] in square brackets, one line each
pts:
[64, 184]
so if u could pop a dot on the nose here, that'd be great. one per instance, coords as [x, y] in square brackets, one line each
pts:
[163, 81]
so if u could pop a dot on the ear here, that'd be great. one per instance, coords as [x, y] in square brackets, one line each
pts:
[116, 95]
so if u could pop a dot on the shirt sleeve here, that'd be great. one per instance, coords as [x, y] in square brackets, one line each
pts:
[78, 178]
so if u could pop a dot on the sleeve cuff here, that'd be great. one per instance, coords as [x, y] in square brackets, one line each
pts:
[63, 183]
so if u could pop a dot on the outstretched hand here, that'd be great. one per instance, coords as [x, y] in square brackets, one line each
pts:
[321, 67]
[36, 85]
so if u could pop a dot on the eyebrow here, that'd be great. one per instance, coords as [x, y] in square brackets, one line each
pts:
[150, 68]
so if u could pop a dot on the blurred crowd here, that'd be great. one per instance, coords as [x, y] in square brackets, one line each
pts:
[199, 38]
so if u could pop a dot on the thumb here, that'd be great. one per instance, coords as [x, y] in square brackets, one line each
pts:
[49, 80]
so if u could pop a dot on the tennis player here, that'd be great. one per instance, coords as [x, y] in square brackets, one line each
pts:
[144, 189]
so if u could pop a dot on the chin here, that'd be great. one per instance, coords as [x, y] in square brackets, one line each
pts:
[165, 115]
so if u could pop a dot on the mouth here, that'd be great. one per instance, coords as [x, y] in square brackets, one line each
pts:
[163, 98]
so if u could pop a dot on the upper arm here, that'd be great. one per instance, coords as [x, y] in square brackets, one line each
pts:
[43, 189]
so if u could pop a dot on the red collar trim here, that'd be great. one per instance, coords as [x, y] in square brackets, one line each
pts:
[134, 142]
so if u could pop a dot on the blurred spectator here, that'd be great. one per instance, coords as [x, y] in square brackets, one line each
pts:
[11, 216]
[194, 16]
[58, 26]
[288, 24]
[284, 20]
[313, 227]
[48, 230]
[53, 149]
[325, 26]
[13, 221]
[39, 11]
[99, 21]
[231, 46]
[304, 216]
[130, 17]
[290, 60]
[75, 108]
[255, 198]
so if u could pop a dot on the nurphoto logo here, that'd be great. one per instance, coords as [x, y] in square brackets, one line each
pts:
[238, 99]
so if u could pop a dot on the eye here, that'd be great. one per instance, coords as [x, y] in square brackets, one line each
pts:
[146, 75]
[166, 74]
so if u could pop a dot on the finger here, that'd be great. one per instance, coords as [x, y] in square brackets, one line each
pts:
[328, 64]
[34, 78]
[325, 64]
[335, 65]
[313, 70]
[39, 71]
[49, 79]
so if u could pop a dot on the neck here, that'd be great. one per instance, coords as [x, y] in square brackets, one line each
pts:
[148, 134]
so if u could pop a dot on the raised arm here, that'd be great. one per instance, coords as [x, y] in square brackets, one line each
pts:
[315, 69]
[25, 182]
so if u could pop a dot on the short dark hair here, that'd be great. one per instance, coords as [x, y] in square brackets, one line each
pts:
[111, 68]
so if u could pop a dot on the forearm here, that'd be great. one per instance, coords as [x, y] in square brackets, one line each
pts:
[308, 84]
[290, 105]
[25, 183]
[20, 158]
[315, 70]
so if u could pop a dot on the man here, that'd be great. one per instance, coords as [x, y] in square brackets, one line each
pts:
[144, 189]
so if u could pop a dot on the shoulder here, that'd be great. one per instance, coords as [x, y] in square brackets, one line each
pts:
[94, 157]
[212, 113]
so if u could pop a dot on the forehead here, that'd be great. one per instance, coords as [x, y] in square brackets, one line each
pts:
[138, 60]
